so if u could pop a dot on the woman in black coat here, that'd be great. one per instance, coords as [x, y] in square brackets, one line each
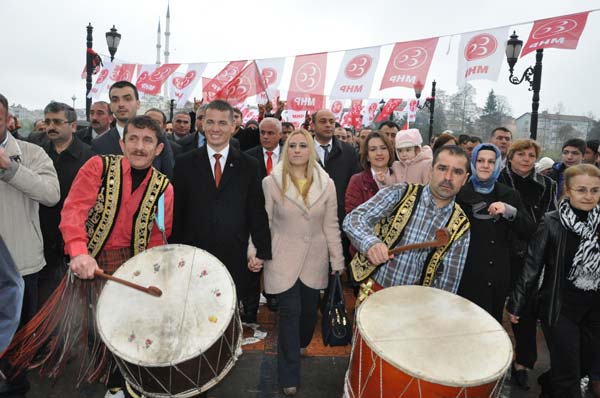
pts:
[495, 212]
[566, 251]
[538, 193]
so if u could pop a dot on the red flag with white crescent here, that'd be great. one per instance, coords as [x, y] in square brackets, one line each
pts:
[389, 107]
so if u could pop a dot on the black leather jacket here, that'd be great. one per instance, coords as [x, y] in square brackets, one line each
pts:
[545, 253]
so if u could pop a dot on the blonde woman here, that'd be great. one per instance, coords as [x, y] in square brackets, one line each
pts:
[301, 202]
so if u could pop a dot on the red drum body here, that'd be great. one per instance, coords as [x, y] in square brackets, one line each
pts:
[179, 344]
[420, 342]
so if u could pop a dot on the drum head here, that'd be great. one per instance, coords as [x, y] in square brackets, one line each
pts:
[197, 303]
[435, 336]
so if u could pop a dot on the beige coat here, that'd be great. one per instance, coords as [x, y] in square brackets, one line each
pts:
[304, 239]
[30, 181]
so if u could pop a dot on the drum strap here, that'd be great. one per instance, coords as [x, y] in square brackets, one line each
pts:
[457, 225]
[389, 230]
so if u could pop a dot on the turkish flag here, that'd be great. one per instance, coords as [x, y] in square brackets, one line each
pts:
[389, 107]
[409, 63]
[247, 83]
[558, 32]
[307, 86]
[227, 74]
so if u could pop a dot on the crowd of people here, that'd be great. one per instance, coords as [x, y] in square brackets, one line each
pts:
[284, 207]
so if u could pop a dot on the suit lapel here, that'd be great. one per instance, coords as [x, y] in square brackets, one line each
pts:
[232, 163]
[115, 137]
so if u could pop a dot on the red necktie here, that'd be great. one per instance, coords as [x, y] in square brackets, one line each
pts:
[269, 162]
[217, 169]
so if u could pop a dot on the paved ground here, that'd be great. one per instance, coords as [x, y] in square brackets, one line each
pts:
[255, 375]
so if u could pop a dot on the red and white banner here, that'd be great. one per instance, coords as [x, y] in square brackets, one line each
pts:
[411, 110]
[297, 118]
[181, 85]
[227, 74]
[102, 79]
[559, 32]
[151, 82]
[369, 111]
[271, 70]
[481, 55]
[409, 63]
[246, 84]
[355, 114]
[248, 113]
[337, 108]
[355, 77]
[389, 107]
[122, 72]
[308, 83]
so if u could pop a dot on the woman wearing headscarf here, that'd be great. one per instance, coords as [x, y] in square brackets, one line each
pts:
[301, 202]
[495, 212]
[538, 193]
[565, 254]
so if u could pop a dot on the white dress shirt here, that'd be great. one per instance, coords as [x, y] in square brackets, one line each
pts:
[223, 160]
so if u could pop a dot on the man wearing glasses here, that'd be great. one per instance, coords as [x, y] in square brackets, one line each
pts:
[68, 154]
[27, 179]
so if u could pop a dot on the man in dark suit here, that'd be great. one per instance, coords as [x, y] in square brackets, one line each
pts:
[268, 154]
[124, 104]
[101, 119]
[196, 139]
[219, 203]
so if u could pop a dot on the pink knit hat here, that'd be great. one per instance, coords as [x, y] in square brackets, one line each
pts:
[408, 138]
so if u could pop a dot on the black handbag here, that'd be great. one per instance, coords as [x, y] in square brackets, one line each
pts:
[336, 329]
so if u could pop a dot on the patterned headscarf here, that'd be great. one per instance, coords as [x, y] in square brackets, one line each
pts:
[486, 186]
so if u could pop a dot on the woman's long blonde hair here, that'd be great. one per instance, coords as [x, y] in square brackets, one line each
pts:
[310, 166]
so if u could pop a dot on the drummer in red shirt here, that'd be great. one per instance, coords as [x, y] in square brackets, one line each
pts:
[113, 196]
[109, 214]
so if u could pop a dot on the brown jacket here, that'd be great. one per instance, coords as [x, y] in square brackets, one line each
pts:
[304, 239]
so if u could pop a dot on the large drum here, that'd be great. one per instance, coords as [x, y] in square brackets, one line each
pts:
[421, 342]
[179, 344]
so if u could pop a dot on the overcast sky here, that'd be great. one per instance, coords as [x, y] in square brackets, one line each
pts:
[44, 42]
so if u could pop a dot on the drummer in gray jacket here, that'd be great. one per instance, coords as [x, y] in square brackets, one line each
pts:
[301, 203]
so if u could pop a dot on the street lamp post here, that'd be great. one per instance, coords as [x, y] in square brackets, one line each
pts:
[171, 107]
[533, 75]
[88, 69]
[429, 103]
[73, 98]
[113, 38]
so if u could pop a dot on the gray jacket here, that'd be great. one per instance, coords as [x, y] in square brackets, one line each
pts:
[30, 180]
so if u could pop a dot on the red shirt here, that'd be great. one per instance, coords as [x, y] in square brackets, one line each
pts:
[82, 197]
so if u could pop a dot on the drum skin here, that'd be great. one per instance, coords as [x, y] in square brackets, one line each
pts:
[414, 341]
[183, 342]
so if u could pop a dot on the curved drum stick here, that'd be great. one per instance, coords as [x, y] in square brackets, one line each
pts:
[151, 290]
[442, 237]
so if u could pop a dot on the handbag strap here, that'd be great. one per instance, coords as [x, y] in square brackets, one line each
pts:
[337, 289]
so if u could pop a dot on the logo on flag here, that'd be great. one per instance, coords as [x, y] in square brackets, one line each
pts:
[409, 63]
[481, 55]
[307, 84]
[559, 32]
[357, 70]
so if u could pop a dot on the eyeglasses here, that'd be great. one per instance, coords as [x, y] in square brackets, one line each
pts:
[56, 122]
[584, 191]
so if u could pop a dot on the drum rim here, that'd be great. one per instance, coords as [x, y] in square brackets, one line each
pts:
[492, 378]
[234, 314]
